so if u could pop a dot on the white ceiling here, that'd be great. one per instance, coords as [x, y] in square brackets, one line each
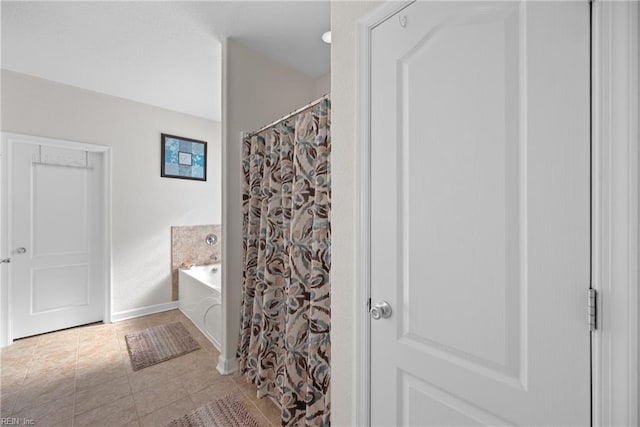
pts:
[165, 53]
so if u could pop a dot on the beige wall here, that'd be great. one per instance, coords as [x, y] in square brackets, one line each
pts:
[145, 206]
[344, 16]
[256, 91]
[323, 85]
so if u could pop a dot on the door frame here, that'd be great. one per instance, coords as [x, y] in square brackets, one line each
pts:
[615, 108]
[7, 139]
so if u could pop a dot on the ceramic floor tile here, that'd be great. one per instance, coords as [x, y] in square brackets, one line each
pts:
[193, 330]
[166, 317]
[7, 402]
[45, 392]
[131, 325]
[199, 378]
[122, 345]
[152, 399]
[146, 378]
[96, 396]
[167, 367]
[269, 409]
[58, 336]
[276, 421]
[238, 378]
[14, 368]
[20, 355]
[222, 387]
[90, 345]
[49, 413]
[57, 356]
[89, 378]
[204, 342]
[214, 351]
[41, 375]
[170, 367]
[22, 343]
[186, 363]
[170, 412]
[53, 343]
[13, 376]
[246, 387]
[91, 366]
[94, 329]
[129, 367]
[115, 413]
[48, 388]
[57, 359]
[103, 332]
[98, 358]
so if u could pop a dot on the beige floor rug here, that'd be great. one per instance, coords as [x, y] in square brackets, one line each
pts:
[225, 412]
[159, 343]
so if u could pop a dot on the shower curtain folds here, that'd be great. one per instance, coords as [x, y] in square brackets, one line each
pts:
[284, 344]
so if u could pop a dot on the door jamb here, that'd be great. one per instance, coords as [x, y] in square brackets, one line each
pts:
[615, 53]
[7, 139]
[362, 330]
[615, 57]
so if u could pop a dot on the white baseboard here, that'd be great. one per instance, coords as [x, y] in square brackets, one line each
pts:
[226, 366]
[143, 311]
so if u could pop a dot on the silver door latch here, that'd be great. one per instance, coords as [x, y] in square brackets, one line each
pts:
[381, 310]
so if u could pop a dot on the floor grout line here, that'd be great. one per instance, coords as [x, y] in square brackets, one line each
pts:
[124, 363]
[75, 382]
[24, 377]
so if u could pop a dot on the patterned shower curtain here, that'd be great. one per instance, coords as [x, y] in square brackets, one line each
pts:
[284, 339]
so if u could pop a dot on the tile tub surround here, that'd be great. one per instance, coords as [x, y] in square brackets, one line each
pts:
[188, 244]
[83, 377]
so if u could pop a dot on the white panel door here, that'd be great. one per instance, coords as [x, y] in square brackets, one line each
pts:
[57, 233]
[480, 214]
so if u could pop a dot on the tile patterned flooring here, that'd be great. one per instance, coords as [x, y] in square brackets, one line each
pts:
[83, 377]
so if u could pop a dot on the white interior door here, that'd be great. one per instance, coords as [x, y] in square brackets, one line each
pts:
[57, 237]
[480, 214]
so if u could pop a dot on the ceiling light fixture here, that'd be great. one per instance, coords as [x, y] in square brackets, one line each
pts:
[326, 37]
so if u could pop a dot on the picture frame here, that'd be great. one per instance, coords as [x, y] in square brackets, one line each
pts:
[183, 158]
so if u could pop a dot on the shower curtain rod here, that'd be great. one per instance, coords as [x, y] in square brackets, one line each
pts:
[291, 114]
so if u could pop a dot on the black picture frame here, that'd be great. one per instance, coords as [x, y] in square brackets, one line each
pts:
[183, 158]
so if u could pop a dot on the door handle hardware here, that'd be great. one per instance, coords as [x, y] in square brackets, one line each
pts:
[5, 260]
[381, 310]
[21, 250]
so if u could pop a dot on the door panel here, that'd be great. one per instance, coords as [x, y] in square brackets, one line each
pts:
[56, 288]
[480, 214]
[56, 215]
[60, 212]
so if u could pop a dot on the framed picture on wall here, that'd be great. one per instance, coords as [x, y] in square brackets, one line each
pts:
[183, 158]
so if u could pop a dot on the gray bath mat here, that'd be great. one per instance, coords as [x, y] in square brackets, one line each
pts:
[225, 412]
[159, 343]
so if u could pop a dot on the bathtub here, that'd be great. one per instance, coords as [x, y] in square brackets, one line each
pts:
[200, 299]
